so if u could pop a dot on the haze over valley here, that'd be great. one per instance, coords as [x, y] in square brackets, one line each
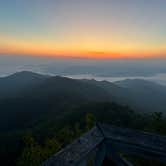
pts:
[110, 70]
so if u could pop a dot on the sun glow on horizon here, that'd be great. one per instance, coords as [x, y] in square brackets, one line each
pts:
[108, 29]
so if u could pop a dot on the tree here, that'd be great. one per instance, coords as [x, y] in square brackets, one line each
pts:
[157, 119]
[90, 120]
[32, 154]
[51, 147]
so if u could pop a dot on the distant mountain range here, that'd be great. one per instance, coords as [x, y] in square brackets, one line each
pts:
[139, 94]
[29, 95]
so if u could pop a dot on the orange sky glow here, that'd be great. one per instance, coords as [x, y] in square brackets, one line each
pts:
[108, 29]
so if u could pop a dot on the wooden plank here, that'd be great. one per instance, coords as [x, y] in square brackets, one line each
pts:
[76, 153]
[116, 140]
[100, 155]
[113, 155]
[136, 150]
[128, 136]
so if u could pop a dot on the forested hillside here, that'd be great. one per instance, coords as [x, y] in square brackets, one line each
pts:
[42, 114]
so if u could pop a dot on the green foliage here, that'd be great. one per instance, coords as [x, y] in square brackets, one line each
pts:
[51, 146]
[65, 135]
[49, 136]
[90, 120]
[32, 153]
[77, 129]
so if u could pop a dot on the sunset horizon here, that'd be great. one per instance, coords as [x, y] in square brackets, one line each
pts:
[86, 55]
[85, 29]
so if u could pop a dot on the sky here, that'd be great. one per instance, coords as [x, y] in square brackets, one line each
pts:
[84, 28]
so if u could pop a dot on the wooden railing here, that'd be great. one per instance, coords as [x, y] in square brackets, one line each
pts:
[105, 142]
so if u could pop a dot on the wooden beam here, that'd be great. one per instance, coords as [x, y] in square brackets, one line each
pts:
[100, 155]
[115, 140]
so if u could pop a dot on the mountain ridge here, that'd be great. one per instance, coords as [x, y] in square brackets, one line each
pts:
[140, 95]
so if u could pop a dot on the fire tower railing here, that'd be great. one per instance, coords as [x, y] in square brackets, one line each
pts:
[109, 142]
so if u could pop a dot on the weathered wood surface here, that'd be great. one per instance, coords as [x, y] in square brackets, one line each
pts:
[76, 152]
[134, 142]
[116, 140]
[135, 137]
